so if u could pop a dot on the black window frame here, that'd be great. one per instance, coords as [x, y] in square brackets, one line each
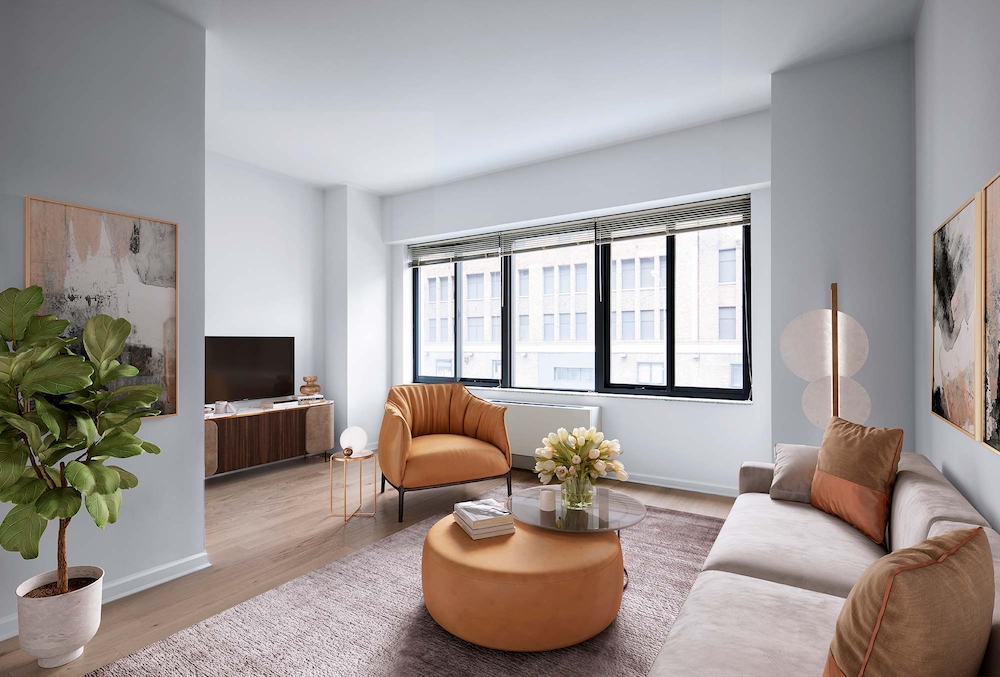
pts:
[603, 288]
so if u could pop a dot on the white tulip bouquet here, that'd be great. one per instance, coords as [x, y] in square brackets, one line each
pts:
[578, 458]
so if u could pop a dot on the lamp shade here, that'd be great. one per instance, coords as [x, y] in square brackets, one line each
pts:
[354, 437]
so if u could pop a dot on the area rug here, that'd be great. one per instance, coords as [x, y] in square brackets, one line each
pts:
[364, 615]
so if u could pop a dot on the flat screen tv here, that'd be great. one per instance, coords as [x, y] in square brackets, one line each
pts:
[249, 367]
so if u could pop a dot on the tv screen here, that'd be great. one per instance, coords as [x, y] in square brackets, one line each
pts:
[249, 367]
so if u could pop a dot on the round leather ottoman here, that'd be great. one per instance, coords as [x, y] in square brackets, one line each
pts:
[534, 590]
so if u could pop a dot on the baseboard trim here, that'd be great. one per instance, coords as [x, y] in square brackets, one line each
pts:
[674, 483]
[129, 585]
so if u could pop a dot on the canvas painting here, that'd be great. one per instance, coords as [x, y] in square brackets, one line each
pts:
[954, 341]
[90, 261]
[991, 314]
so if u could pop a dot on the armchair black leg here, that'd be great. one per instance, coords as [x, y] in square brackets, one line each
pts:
[401, 491]
[509, 492]
[383, 485]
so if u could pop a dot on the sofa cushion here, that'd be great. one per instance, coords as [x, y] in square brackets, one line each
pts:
[736, 625]
[991, 662]
[442, 459]
[794, 467]
[855, 473]
[791, 543]
[921, 497]
[925, 610]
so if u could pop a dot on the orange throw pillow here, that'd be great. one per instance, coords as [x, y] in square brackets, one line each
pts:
[925, 610]
[855, 473]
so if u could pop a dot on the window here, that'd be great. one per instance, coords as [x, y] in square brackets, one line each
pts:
[628, 273]
[727, 266]
[549, 280]
[474, 331]
[622, 303]
[646, 272]
[474, 287]
[646, 325]
[628, 325]
[727, 323]
[649, 373]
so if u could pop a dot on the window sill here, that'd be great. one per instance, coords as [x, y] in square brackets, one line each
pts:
[590, 394]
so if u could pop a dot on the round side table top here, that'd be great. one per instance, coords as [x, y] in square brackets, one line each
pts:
[356, 456]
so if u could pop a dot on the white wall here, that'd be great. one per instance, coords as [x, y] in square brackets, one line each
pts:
[357, 319]
[264, 270]
[842, 200]
[957, 56]
[677, 443]
[82, 123]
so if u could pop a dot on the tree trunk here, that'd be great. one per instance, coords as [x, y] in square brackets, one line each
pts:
[62, 570]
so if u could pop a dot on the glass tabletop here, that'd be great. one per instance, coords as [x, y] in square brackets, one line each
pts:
[356, 456]
[612, 510]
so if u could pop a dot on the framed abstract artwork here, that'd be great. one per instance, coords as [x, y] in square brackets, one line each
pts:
[991, 313]
[955, 342]
[91, 261]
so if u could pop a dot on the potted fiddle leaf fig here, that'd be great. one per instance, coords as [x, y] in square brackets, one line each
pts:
[65, 420]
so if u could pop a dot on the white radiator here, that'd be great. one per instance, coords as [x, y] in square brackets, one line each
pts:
[528, 422]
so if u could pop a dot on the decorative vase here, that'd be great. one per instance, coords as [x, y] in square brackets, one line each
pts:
[310, 387]
[54, 630]
[577, 493]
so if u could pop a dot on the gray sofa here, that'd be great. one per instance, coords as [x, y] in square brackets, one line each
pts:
[768, 598]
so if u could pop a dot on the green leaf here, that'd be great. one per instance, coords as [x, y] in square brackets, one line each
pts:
[117, 444]
[20, 361]
[150, 448]
[27, 427]
[49, 348]
[104, 509]
[60, 450]
[104, 338]
[130, 423]
[53, 418]
[21, 530]
[85, 425]
[128, 480]
[128, 398]
[13, 460]
[59, 376]
[42, 327]
[114, 370]
[16, 308]
[25, 490]
[92, 477]
[6, 367]
[61, 503]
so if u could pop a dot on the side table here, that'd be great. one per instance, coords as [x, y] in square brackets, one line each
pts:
[359, 457]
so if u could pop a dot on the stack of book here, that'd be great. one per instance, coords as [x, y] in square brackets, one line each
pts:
[484, 519]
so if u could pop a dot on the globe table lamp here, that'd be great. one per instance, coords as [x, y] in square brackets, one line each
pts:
[353, 438]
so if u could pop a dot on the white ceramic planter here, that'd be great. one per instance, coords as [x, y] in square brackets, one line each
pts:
[54, 630]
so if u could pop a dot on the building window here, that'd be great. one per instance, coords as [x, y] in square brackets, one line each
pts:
[548, 280]
[581, 278]
[445, 330]
[432, 330]
[564, 326]
[614, 275]
[495, 328]
[522, 283]
[474, 331]
[474, 287]
[573, 374]
[495, 284]
[628, 325]
[522, 327]
[628, 273]
[442, 366]
[649, 373]
[432, 290]
[497, 369]
[614, 324]
[736, 376]
[646, 272]
[443, 283]
[581, 326]
[663, 272]
[727, 323]
[646, 325]
[663, 324]
[435, 341]
[727, 266]
[549, 326]
[564, 279]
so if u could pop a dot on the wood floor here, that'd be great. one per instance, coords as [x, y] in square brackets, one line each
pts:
[265, 527]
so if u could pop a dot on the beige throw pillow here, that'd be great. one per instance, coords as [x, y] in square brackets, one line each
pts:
[794, 466]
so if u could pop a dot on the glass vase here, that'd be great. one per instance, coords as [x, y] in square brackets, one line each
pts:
[577, 493]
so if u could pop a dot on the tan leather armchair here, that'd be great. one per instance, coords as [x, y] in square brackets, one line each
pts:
[439, 434]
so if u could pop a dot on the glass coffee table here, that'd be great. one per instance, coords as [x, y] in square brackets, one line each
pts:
[612, 511]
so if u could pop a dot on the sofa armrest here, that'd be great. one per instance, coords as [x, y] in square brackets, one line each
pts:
[393, 444]
[756, 477]
[485, 421]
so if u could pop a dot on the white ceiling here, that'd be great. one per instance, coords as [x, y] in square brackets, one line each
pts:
[393, 95]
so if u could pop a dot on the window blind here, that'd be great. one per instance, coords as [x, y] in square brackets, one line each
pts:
[719, 213]
[549, 236]
[458, 249]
